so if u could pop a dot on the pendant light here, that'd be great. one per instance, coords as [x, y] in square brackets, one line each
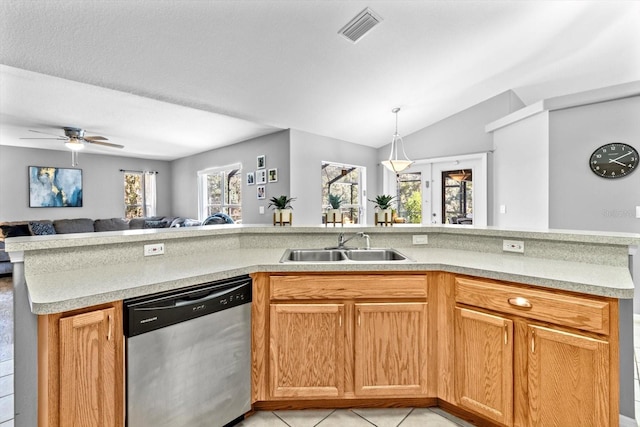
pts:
[394, 163]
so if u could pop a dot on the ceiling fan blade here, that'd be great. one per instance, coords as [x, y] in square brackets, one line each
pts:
[45, 133]
[106, 144]
[57, 139]
[95, 138]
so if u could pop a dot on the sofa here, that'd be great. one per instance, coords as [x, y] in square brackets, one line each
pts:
[79, 225]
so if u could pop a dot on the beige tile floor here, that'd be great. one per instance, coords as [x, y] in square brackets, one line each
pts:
[395, 417]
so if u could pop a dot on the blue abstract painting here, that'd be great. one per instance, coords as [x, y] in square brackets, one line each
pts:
[51, 187]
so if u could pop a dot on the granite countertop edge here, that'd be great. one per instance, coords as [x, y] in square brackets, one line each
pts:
[73, 289]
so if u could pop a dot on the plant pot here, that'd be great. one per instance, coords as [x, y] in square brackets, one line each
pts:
[334, 215]
[384, 216]
[282, 216]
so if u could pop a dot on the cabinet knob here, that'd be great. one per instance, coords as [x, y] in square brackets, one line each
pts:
[520, 302]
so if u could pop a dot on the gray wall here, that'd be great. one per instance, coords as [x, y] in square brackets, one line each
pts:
[578, 199]
[103, 184]
[461, 133]
[307, 153]
[275, 147]
[521, 174]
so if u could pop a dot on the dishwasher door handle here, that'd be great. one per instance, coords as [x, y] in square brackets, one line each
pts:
[212, 295]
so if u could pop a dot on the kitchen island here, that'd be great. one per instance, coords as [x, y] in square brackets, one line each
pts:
[62, 274]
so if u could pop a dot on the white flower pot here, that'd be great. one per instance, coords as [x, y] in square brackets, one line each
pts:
[282, 216]
[334, 215]
[384, 216]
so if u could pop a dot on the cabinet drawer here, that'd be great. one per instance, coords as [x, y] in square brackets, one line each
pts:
[589, 314]
[389, 287]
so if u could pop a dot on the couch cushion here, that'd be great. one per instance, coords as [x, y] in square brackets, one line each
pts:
[4, 257]
[77, 225]
[41, 228]
[112, 224]
[15, 230]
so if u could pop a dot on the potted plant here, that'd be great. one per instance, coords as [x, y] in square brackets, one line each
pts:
[282, 209]
[334, 214]
[383, 208]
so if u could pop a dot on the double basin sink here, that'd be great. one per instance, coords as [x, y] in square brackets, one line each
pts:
[343, 255]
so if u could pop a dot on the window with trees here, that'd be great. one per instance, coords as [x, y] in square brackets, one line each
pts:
[220, 190]
[139, 194]
[344, 181]
[409, 197]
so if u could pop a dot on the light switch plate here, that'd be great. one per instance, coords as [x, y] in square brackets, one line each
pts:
[513, 246]
[154, 249]
[261, 210]
[637, 211]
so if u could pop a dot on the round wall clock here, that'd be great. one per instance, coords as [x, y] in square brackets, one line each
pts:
[614, 160]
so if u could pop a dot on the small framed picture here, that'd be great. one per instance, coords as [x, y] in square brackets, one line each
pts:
[262, 194]
[251, 179]
[261, 176]
[272, 175]
[261, 162]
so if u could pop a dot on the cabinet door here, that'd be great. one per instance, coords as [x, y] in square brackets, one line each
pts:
[89, 365]
[390, 349]
[484, 364]
[568, 379]
[307, 350]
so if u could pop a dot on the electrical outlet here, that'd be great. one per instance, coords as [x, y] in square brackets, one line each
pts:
[420, 239]
[513, 246]
[503, 208]
[261, 210]
[154, 249]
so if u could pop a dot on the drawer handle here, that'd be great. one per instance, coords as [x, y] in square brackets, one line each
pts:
[520, 302]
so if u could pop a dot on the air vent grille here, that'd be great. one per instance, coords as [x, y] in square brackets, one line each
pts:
[359, 26]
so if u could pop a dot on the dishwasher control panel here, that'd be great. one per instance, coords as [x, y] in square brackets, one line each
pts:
[151, 312]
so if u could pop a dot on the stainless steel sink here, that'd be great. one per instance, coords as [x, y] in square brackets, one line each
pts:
[342, 255]
[374, 255]
[313, 255]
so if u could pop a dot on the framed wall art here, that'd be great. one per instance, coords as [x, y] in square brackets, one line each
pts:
[51, 187]
[273, 175]
[261, 162]
[261, 176]
[262, 194]
[251, 179]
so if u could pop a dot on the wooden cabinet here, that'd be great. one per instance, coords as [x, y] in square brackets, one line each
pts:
[307, 350]
[390, 353]
[484, 364]
[81, 368]
[568, 379]
[340, 336]
[543, 360]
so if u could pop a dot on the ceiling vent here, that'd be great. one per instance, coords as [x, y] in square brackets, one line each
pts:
[359, 26]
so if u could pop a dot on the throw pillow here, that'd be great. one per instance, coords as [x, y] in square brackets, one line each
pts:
[155, 224]
[16, 230]
[41, 228]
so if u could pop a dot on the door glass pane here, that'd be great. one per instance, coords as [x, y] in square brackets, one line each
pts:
[409, 197]
[457, 197]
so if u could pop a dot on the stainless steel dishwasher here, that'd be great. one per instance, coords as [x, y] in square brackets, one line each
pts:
[188, 356]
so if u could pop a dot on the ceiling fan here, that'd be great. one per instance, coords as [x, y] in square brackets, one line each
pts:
[75, 138]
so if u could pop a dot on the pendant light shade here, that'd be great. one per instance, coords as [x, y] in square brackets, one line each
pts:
[397, 164]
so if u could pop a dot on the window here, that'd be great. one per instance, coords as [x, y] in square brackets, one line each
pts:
[344, 181]
[409, 197]
[457, 197]
[139, 194]
[221, 191]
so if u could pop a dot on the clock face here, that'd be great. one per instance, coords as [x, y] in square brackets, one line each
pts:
[614, 160]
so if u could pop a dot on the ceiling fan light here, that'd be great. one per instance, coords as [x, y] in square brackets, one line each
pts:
[74, 145]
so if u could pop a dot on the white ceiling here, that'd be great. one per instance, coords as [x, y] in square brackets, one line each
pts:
[176, 77]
